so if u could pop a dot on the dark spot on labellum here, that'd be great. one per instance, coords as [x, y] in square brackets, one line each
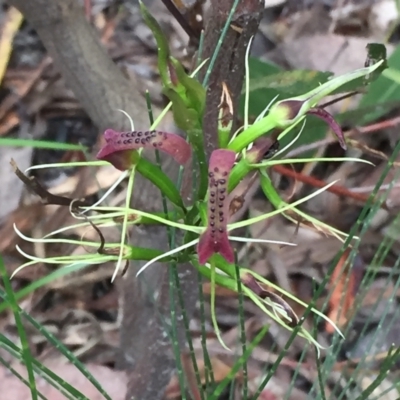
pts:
[221, 230]
[220, 213]
[154, 144]
[137, 140]
[212, 223]
[220, 205]
[221, 198]
[122, 134]
[140, 133]
[133, 134]
[221, 219]
[212, 209]
[129, 141]
[212, 201]
[148, 139]
[225, 173]
[212, 216]
[211, 174]
[222, 181]
[222, 190]
[212, 194]
[143, 140]
[118, 142]
[160, 144]
[216, 169]
[160, 133]
[125, 142]
[147, 133]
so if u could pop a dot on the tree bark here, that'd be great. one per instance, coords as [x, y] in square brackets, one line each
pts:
[230, 63]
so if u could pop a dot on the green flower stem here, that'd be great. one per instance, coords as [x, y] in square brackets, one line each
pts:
[223, 137]
[259, 128]
[239, 171]
[270, 191]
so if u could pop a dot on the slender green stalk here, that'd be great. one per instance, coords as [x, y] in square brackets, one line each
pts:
[10, 368]
[243, 338]
[321, 380]
[208, 369]
[174, 330]
[235, 369]
[26, 351]
[53, 379]
[220, 41]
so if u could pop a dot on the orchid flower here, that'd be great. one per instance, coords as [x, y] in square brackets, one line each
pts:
[215, 238]
[292, 108]
[120, 147]
[288, 112]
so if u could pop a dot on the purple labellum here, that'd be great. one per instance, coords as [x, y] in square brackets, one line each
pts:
[263, 148]
[215, 238]
[328, 118]
[119, 146]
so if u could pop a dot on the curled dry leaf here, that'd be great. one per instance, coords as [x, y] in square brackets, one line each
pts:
[343, 285]
[261, 291]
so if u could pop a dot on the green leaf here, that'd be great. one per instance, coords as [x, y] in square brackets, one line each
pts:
[155, 175]
[259, 69]
[284, 84]
[162, 44]
[291, 83]
[40, 144]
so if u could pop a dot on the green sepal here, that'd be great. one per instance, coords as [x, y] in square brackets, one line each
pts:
[195, 93]
[185, 118]
[155, 175]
